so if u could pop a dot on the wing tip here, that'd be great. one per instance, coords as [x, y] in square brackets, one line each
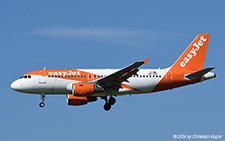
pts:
[146, 61]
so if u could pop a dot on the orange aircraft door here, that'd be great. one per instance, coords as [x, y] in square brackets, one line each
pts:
[42, 77]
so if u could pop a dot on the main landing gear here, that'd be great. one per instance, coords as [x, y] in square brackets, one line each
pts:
[42, 104]
[108, 103]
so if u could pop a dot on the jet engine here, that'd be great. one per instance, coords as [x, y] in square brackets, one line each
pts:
[84, 89]
[76, 100]
[79, 100]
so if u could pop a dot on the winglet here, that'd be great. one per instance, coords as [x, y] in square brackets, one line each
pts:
[146, 61]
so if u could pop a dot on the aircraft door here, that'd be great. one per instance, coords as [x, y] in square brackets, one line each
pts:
[42, 77]
[169, 77]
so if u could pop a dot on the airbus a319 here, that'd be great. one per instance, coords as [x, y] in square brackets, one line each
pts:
[87, 85]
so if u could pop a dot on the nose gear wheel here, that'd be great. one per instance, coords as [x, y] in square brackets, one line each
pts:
[42, 104]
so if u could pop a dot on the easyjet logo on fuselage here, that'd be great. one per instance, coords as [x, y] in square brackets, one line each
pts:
[64, 73]
[193, 51]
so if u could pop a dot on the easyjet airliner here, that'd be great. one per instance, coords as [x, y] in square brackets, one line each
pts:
[86, 85]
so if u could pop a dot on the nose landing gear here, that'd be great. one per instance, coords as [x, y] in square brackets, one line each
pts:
[42, 104]
[108, 103]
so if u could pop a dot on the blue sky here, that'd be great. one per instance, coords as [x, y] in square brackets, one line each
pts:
[109, 34]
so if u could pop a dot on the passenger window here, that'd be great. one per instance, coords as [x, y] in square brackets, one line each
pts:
[68, 76]
[59, 76]
[84, 75]
[81, 76]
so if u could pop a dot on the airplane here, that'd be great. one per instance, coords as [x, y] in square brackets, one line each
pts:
[82, 86]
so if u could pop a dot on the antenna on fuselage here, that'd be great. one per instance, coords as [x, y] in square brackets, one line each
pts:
[44, 68]
[71, 66]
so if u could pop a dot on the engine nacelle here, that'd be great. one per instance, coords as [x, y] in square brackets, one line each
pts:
[76, 100]
[85, 89]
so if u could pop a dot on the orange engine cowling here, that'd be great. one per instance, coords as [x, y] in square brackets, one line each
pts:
[85, 89]
[76, 100]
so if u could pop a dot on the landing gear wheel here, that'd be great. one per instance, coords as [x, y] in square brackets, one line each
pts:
[112, 100]
[42, 104]
[107, 106]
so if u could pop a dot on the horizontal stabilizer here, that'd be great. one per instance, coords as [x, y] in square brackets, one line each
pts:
[198, 73]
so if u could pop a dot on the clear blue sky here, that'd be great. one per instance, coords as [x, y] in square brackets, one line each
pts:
[109, 34]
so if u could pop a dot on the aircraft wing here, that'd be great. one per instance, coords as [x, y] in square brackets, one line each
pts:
[115, 79]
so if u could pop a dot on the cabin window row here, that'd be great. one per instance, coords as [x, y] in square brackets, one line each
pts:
[99, 76]
[156, 76]
[75, 76]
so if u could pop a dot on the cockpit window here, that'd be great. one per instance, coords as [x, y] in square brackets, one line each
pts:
[25, 76]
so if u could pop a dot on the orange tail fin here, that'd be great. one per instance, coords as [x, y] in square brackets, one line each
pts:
[193, 57]
[190, 62]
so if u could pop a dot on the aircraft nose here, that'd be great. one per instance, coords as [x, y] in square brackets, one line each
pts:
[19, 86]
[14, 85]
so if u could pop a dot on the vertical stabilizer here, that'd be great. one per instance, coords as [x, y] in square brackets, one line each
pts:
[193, 57]
[189, 62]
